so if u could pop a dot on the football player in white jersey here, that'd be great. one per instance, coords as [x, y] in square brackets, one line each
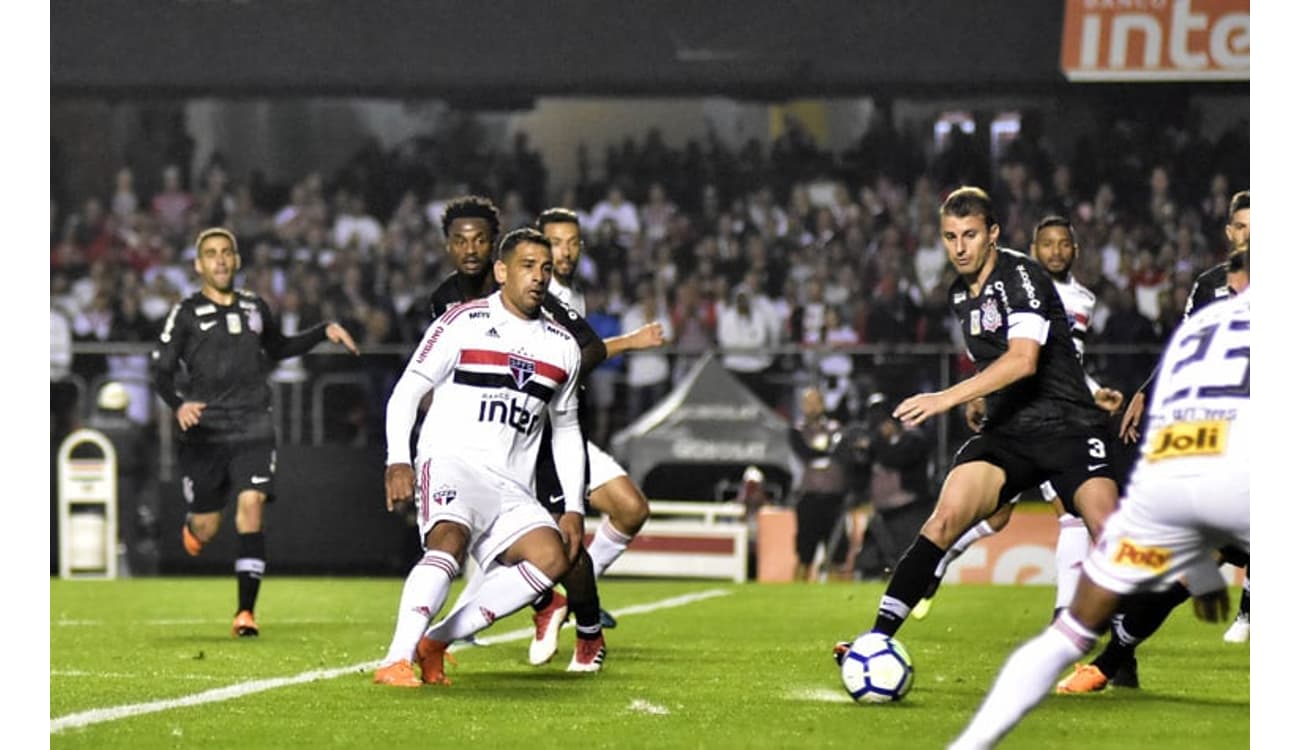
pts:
[498, 369]
[1189, 495]
[1054, 248]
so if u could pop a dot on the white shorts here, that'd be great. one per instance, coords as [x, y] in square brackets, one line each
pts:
[496, 510]
[603, 467]
[1170, 524]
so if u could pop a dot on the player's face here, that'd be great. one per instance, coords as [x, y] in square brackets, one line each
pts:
[1238, 230]
[969, 243]
[470, 245]
[216, 263]
[1054, 248]
[524, 278]
[566, 246]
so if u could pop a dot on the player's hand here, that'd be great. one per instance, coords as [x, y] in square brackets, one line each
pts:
[572, 533]
[649, 335]
[1108, 399]
[1132, 419]
[399, 485]
[1212, 607]
[188, 414]
[975, 414]
[916, 409]
[339, 335]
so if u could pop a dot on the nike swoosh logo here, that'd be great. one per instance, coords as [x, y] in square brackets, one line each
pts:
[207, 325]
[1094, 467]
[260, 480]
[557, 499]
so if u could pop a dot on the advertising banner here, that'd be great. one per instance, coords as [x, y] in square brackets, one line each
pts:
[1156, 40]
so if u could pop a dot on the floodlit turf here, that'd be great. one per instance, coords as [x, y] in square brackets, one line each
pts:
[749, 668]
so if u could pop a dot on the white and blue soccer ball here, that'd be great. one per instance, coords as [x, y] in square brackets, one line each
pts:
[876, 669]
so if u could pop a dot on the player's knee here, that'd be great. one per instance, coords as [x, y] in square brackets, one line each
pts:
[552, 560]
[628, 509]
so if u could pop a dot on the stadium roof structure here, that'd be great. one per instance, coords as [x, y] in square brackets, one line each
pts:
[513, 50]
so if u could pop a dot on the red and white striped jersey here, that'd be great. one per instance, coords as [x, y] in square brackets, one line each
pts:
[495, 377]
[1079, 303]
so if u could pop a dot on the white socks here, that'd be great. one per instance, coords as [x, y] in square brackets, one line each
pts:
[1072, 546]
[423, 595]
[1025, 678]
[505, 589]
[606, 545]
[972, 535]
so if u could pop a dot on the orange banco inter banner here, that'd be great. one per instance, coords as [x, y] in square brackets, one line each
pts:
[1156, 40]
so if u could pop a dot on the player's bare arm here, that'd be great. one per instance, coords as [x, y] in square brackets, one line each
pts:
[399, 484]
[188, 414]
[339, 335]
[1132, 419]
[1018, 362]
[647, 336]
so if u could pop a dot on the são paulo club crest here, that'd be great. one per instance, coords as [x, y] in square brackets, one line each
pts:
[443, 495]
[990, 318]
[521, 369]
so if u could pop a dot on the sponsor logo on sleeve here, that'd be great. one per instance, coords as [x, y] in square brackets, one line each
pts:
[1028, 285]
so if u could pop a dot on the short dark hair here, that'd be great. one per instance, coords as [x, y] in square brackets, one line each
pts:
[1240, 200]
[516, 237]
[1053, 220]
[969, 200]
[558, 215]
[217, 232]
[1239, 261]
[471, 207]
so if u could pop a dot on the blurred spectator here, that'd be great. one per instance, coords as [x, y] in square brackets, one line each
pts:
[823, 486]
[124, 202]
[602, 381]
[648, 371]
[835, 365]
[137, 496]
[657, 213]
[172, 202]
[745, 337]
[899, 489]
[695, 319]
[355, 227]
[615, 207]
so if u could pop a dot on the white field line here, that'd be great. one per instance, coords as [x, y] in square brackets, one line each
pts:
[239, 690]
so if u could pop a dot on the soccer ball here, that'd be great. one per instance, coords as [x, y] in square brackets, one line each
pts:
[876, 669]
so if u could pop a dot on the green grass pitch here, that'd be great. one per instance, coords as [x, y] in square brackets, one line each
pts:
[145, 663]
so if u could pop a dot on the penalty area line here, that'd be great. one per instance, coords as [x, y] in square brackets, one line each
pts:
[239, 690]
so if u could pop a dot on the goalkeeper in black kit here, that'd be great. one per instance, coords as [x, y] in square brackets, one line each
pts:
[213, 357]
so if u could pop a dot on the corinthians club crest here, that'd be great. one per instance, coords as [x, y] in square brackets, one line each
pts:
[990, 318]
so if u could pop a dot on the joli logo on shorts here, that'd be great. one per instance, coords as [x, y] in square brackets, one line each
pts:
[1208, 438]
[1155, 559]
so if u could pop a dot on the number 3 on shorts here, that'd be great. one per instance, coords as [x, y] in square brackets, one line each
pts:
[1096, 447]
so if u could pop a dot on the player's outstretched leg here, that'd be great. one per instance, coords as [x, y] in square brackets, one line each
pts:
[1138, 619]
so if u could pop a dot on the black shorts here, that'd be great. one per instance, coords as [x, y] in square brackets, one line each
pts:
[1067, 460]
[549, 492]
[212, 473]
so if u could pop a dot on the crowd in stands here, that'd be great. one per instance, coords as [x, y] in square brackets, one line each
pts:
[757, 251]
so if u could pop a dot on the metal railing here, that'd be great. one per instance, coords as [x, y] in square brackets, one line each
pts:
[898, 370]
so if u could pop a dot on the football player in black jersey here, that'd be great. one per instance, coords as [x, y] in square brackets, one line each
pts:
[1040, 422]
[226, 341]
